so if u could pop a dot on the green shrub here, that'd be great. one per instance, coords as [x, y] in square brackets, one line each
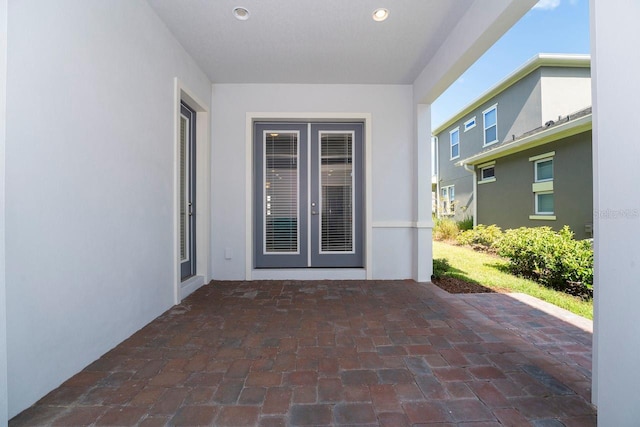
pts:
[440, 267]
[552, 258]
[445, 229]
[481, 237]
[466, 224]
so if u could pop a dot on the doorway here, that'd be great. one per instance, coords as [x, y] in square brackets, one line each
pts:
[187, 190]
[308, 189]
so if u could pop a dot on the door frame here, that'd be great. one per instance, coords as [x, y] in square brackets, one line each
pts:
[203, 190]
[252, 273]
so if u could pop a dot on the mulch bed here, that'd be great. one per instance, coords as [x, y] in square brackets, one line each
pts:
[458, 286]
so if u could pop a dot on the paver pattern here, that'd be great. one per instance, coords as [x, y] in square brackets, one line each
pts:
[289, 353]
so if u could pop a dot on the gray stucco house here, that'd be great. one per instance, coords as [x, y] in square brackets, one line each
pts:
[543, 177]
[502, 138]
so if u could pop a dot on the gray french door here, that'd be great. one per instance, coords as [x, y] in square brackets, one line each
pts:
[187, 191]
[308, 195]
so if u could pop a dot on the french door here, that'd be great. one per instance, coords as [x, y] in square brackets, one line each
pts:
[308, 193]
[187, 190]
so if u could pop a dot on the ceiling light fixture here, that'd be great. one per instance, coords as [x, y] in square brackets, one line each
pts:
[380, 14]
[241, 13]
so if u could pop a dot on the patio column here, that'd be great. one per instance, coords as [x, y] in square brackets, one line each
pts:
[616, 153]
[4, 415]
[422, 251]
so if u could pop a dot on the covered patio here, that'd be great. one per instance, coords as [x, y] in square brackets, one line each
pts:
[393, 353]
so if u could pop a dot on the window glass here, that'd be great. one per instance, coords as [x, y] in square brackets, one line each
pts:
[488, 172]
[544, 170]
[469, 124]
[544, 203]
[490, 126]
[455, 143]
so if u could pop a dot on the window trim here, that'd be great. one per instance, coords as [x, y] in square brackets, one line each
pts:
[537, 211]
[544, 186]
[535, 170]
[451, 132]
[482, 168]
[484, 125]
[470, 124]
[484, 179]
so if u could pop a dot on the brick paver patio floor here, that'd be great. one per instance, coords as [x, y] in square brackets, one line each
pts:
[391, 353]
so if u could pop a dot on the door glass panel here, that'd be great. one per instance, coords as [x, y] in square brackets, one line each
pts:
[184, 181]
[336, 184]
[281, 181]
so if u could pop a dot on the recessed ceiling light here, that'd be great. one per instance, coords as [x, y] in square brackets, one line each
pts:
[241, 13]
[380, 14]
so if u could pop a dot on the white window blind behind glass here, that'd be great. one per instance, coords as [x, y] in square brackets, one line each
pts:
[281, 178]
[336, 181]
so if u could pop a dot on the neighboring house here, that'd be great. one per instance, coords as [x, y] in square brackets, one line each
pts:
[543, 177]
[545, 88]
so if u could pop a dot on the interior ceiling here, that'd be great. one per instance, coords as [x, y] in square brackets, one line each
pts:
[311, 41]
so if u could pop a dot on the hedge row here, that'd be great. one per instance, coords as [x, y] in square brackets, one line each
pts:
[554, 259]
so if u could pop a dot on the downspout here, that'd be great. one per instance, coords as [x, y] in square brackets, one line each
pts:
[436, 167]
[475, 191]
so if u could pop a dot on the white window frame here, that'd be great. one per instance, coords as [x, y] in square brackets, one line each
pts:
[543, 186]
[451, 132]
[535, 170]
[470, 124]
[450, 203]
[482, 168]
[484, 124]
[537, 210]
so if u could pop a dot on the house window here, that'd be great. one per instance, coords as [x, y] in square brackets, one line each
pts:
[454, 138]
[490, 118]
[470, 124]
[447, 199]
[544, 203]
[487, 172]
[544, 199]
[544, 170]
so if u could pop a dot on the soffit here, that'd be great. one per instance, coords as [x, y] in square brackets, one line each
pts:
[311, 41]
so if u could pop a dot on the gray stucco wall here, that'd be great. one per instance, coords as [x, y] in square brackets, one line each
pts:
[519, 110]
[509, 200]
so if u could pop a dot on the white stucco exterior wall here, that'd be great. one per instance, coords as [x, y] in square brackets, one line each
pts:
[89, 182]
[617, 212]
[391, 148]
[562, 95]
[3, 295]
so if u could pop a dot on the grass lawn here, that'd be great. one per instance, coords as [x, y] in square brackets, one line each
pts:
[490, 271]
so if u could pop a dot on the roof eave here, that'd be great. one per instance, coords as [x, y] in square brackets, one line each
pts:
[546, 136]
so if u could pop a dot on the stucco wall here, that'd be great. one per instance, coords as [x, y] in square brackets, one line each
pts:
[509, 200]
[391, 148]
[617, 220]
[518, 111]
[3, 295]
[89, 182]
[564, 91]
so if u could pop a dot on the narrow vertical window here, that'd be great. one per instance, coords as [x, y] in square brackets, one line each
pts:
[281, 231]
[336, 188]
[543, 197]
[454, 138]
[490, 119]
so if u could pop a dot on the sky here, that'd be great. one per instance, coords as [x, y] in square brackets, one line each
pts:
[552, 26]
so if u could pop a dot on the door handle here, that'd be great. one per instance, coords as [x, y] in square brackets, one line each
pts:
[313, 211]
[190, 209]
